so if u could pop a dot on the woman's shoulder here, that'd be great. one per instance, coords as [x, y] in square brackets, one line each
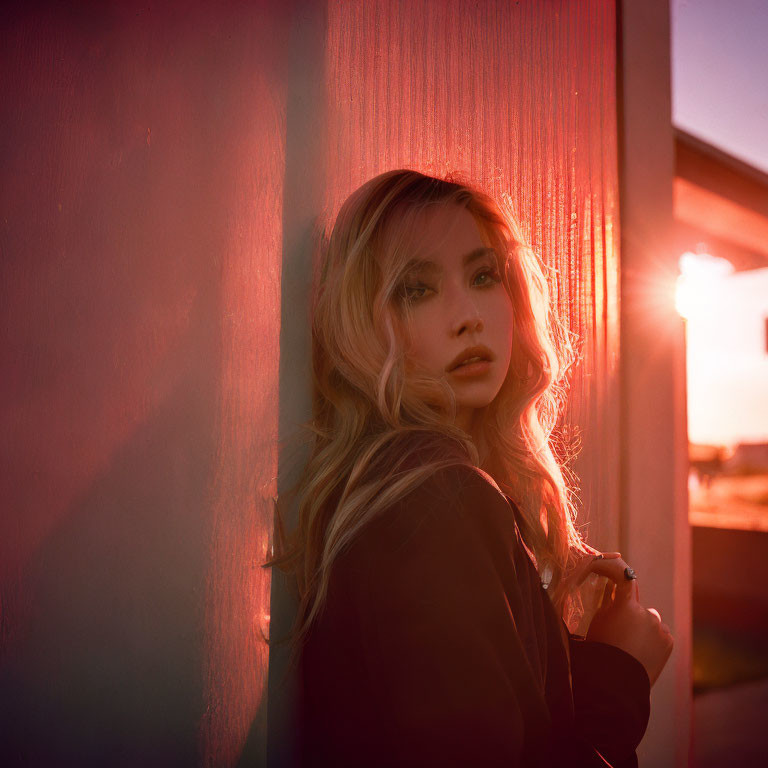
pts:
[454, 489]
[463, 488]
[429, 447]
[446, 512]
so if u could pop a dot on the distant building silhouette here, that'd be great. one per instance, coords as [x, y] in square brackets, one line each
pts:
[748, 458]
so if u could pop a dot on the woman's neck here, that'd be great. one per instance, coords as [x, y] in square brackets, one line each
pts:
[475, 430]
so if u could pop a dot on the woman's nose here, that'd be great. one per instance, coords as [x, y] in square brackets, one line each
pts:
[467, 317]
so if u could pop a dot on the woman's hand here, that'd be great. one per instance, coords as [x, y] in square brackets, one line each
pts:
[621, 620]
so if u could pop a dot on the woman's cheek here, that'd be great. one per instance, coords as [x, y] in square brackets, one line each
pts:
[508, 318]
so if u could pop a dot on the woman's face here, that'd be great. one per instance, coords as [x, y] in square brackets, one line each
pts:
[457, 301]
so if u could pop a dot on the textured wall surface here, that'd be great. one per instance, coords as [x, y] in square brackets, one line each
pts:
[142, 152]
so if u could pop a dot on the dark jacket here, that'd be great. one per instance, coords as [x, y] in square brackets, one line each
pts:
[438, 646]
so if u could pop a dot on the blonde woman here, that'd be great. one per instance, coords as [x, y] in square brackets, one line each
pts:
[436, 559]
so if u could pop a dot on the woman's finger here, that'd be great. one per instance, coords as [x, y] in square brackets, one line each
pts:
[581, 570]
[607, 595]
[616, 570]
[586, 566]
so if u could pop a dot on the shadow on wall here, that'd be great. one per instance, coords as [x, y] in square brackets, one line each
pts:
[108, 667]
[128, 195]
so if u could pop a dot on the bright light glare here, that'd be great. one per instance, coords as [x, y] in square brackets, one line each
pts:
[701, 276]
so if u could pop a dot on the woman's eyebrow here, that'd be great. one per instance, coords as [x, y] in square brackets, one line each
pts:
[425, 265]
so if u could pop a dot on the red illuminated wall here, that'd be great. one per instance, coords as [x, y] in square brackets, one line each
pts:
[141, 200]
[519, 97]
[162, 169]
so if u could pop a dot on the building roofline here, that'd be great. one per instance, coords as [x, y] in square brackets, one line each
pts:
[711, 168]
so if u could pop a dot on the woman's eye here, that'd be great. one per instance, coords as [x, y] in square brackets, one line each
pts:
[411, 292]
[493, 274]
[415, 291]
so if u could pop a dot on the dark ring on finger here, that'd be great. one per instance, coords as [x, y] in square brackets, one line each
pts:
[629, 574]
[598, 557]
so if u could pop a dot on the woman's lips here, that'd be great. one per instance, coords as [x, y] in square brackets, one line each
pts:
[470, 370]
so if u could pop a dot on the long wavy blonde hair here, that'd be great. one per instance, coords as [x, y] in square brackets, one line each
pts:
[369, 418]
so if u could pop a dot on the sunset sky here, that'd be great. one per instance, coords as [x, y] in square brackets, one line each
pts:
[720, 95]
[719, 61]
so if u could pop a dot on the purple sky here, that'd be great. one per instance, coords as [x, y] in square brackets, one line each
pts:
[720, 94]
[719, 80]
